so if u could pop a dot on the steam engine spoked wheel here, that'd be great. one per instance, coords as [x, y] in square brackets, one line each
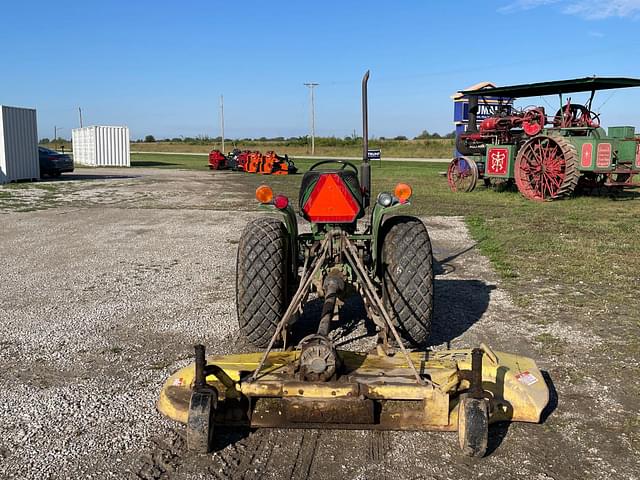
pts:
[546, 168]
[462, 174]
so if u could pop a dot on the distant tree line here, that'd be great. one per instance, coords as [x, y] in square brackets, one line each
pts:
[55, 140]
[424, 135]
[293, 141]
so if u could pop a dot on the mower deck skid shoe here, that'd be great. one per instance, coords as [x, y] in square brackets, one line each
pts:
[372, 392]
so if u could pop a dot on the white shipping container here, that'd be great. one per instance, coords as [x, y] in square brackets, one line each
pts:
[101, 146]
[18, 144]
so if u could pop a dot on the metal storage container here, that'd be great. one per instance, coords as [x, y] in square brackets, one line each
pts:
[101, 146]
[18, 144]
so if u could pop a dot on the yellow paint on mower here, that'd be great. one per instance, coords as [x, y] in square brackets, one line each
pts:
[373, 391]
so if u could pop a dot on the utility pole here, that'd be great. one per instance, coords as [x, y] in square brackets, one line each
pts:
[222, 120]
[311, 86]
[80, 115]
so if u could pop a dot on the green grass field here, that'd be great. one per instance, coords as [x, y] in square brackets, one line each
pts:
[434, 148]
[189, 162]
[581, 255]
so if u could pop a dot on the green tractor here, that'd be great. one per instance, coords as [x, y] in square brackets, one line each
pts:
[391, 257]
[398, 384]
[549, 157]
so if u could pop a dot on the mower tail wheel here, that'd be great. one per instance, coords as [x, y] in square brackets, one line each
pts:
[200, 423]
[462, 174]
[407, 277]
[262, 271]
[473, 426]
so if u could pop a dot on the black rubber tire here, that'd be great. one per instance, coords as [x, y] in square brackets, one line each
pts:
[473, 426]
[200, 423]
[261, 279]
[407, 278]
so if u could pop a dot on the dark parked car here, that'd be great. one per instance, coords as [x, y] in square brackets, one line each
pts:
[54, 163]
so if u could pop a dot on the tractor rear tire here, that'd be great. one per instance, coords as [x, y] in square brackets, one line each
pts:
[261, 279]
[407, 278]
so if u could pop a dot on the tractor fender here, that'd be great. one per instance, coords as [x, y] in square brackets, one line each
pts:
[378, 216]
[288, 216]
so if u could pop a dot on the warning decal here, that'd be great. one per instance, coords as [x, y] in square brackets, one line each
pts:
[603, 157]
[526, 378]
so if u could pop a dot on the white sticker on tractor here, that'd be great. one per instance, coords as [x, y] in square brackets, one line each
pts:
[526, 378]
[178, 382]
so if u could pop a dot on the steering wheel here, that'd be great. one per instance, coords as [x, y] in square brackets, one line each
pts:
[340, 162]
[576, 116]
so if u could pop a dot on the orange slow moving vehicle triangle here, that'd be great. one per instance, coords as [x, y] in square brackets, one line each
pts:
[330, 201]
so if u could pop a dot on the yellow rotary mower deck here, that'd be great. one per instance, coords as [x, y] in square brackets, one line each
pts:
[373, 392]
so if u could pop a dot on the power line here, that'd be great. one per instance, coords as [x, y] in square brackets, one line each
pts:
[222, 121]
[312, 86]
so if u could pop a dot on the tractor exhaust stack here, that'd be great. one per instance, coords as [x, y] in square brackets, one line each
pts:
[365, 168]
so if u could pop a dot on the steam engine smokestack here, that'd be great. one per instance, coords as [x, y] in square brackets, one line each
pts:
[473, 114]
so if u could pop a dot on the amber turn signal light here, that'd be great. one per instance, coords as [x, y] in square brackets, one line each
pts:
[264, 194]
[403, 192]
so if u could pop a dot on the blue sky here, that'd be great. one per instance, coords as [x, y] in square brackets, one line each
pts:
[159, 67]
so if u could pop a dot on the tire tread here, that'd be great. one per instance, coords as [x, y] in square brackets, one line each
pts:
[407, 275]
[261, 279]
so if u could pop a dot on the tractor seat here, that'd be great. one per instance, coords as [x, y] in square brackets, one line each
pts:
[331, 196]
